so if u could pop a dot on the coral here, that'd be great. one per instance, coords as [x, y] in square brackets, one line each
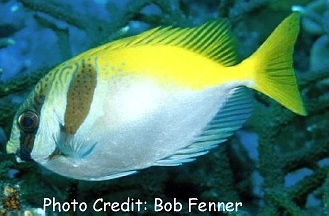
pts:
[315, 22]
[11, 198]
[286, 143]
[275, 162]
[11, 202]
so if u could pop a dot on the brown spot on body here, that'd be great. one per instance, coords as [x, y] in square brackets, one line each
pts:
[80, 95]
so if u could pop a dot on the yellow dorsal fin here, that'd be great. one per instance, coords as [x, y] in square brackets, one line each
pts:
[212, 40]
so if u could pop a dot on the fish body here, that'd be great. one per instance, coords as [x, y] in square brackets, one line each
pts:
[162, 97]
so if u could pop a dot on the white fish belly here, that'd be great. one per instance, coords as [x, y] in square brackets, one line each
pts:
[136, 122]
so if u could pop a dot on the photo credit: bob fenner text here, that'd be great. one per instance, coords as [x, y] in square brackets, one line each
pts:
[138, 205]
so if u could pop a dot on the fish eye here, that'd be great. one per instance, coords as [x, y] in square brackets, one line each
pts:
[28, 121]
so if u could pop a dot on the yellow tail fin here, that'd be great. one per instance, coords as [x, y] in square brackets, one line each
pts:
[272, 65]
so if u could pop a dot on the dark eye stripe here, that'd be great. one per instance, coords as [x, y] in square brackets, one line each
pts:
[27, 142]
[28, 123]
[29, 119]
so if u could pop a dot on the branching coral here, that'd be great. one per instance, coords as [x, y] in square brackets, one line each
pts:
[287, 143]
[315, 22]
[275, 163]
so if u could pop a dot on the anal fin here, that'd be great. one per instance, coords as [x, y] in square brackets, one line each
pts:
[229, 118]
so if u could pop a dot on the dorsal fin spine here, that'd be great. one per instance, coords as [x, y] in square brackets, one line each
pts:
[212, 40]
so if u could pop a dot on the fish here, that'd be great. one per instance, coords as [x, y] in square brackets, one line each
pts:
[160, 98]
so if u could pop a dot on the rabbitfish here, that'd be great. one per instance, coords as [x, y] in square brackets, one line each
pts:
[160, 98]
